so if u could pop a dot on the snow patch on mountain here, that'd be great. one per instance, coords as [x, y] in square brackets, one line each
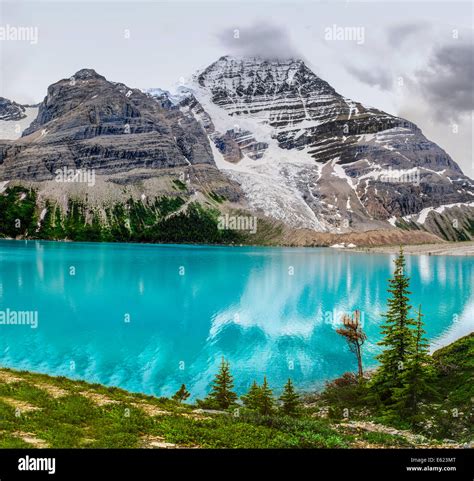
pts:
[338, 171]
[421, 217]
[13, 129]
[271, 186]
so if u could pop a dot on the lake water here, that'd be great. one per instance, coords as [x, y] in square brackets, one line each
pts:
[150, 317]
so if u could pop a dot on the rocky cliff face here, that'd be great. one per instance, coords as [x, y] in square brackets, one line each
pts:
[306, 155]
[89, 122]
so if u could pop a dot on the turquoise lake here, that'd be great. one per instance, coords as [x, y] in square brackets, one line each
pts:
[150, 317]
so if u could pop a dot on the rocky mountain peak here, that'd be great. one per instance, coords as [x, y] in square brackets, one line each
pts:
[285, 94]
[243, 76]
[87, 74]
[88, 121]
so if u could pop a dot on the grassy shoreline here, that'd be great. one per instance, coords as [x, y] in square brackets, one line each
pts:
[41, 411]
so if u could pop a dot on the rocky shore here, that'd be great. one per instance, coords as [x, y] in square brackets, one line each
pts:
[439, 249]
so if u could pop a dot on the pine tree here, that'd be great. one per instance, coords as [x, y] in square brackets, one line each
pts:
[290, 400]
[250, 399]
[418, 374]
[398, 336]
[222, 395]
[265, 399]
[181, 394]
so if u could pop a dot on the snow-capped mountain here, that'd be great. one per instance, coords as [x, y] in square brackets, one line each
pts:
[311, 158]
[269, 138]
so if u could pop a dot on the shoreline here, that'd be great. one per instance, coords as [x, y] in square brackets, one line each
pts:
[464, 248]
[303, 392]
[443, 248]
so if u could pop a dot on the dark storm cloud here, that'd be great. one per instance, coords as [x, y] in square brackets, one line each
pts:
[448, 81]
[373, 76]
[261, 40]
[398, 34]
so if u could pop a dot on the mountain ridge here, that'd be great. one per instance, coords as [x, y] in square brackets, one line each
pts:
[88, 122]
[280, 141]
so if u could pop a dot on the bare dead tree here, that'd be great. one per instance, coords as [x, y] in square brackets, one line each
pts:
[354, 335]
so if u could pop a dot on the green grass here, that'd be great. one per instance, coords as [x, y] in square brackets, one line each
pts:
[11, 442]
[74, 420]
[453, 415]
[385, 439]
[227, 431]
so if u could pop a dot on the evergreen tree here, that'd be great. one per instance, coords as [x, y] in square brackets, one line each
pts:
[58, 224]
[181, 394]
[222, 394]
[398, 337]
[418, 374]
[265, 399]
[250, 399]
[290, 400]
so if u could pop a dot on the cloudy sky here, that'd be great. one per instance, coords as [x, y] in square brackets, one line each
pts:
[413, 59]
